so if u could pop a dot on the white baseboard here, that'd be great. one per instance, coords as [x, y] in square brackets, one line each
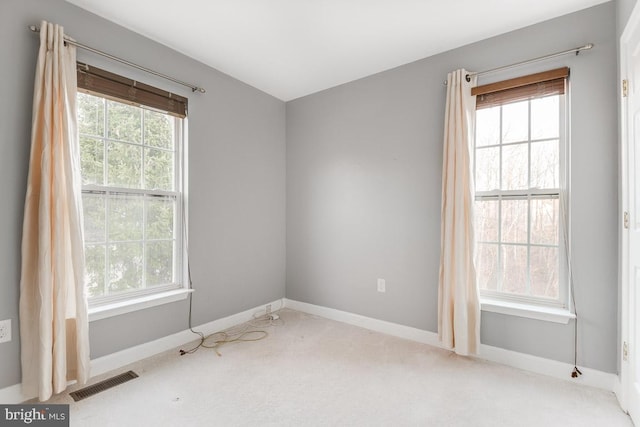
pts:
[620, 394]
[527, 362]
[13, 394]
[407, 332]
[133, 354]
[548, 367]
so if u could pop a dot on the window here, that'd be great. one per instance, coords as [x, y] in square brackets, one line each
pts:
[520, 187]
[132, 193]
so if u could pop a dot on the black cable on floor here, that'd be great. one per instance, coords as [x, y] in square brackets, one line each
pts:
[576, 372]
[200, 334]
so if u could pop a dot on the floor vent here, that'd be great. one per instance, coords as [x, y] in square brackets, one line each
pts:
[103, 385]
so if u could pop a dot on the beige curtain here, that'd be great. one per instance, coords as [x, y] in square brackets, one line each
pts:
[53, 306]
[458, 300]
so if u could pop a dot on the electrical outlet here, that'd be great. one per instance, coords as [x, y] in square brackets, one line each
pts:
[5, 330]
[382, 285]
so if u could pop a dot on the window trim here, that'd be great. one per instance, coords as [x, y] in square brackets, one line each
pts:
[112, 305]
[117, 308]
[556, 310]
[530, 311]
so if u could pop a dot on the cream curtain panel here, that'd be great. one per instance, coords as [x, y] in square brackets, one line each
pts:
[53, 305]
[458, 300]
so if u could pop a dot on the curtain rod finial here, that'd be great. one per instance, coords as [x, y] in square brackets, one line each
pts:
[34, 28]
[585, 47]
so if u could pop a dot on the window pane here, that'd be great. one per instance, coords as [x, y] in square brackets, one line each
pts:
[487, 169]
[158, 169]
[518, 234]
[125, 122]
[486, 218]
[94, 260]
[159, 218]
[125, 267]
[544, 272]
[545, 164]
[94, 217]
[125, 218]
[130, 238]
[487, 266]
[514, 167]
[158, 129]
[90, 115]
[545, 117]
[92, 160]
[515, 122]
[488, 126]
[514, 221]
[159, 263]
[545, 221]
[124, 165]
[514, 266]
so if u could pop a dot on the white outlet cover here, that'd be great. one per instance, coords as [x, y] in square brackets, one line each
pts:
[5, 330]
[382, 285]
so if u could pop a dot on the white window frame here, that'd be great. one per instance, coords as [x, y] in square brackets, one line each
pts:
[557, 310]
[110, 305]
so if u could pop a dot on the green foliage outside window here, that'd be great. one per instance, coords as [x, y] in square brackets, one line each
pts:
[129, 235]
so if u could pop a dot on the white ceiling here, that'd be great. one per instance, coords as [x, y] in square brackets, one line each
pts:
[291, 48]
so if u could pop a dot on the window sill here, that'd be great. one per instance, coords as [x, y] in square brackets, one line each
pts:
[135, 304]
[548, 314]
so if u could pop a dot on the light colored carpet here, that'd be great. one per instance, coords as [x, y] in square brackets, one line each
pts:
[316, 372]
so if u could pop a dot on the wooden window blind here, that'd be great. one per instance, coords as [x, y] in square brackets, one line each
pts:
[552, 82]
[101, 82]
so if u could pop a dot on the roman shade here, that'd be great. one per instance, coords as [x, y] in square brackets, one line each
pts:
[95, 80]
[552, 82]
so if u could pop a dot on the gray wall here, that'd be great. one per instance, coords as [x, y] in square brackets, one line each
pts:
[624, 8]
[236, 173]
[364, 164]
